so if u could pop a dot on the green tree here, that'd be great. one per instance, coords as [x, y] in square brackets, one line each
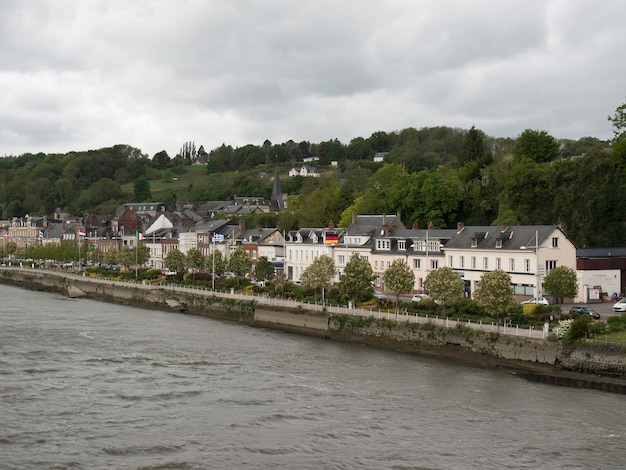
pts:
[444, 285]
[357, 278]
[495, 294]
[319, 273]
[10, 248]
[111, 256]
[538, 146]
[561, 283]
[399, 279]
[175, 261]
[161, 160]
[264, 270]
[220, 263]
[240, 262]
[619, 121]
[142, 189]
[126, 257]
[188, 153]
[474, 154]
[387, 191]
[142, 254]
[473, 148]
[194, 261]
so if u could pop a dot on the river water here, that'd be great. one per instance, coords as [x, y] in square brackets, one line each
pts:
[91, 385]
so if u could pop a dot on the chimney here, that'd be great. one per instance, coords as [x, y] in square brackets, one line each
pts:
[331, 225]
[414, 226]
[385, 226]
[259, 228]
[459, 227]
[353, 218]
[430, 226]
[504, 227]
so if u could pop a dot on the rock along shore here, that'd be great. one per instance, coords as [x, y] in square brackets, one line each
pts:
[598, 366]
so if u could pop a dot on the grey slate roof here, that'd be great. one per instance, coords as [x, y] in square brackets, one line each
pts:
[611, 252]
[512, 238]
[373, 224]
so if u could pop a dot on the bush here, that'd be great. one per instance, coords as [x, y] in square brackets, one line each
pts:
[467, 308]
[616, 323]
[579, 329]
[597, 328]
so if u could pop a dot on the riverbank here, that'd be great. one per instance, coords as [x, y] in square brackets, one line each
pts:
[592, 365]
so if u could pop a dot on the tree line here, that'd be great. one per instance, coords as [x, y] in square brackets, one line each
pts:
[431, 177]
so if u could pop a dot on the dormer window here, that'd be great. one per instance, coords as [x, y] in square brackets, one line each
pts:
[402, 245]
[474, 242]
[498, 243]
[383, 244]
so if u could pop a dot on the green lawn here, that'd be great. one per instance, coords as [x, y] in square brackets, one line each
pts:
[179, 184]
[619, 337]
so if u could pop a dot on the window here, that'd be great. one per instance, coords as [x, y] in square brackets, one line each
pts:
[383, 244]
[473, 261]
[434, 264]
[342, 259]
[527, 265]
[462, 260]
[498, 263]
[512, 264]
[485, 263]
[450, 261]
[498, 243]
[474, 242]
[550, 265]
[402, 245]
[416, 264]
[375, 264]
[555, 242]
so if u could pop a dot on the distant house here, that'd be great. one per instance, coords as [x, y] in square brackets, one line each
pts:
[380, 157]
[304, 170]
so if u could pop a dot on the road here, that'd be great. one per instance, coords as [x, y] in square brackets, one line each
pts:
[605, 309]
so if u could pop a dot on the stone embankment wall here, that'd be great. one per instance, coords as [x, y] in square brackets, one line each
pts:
[535, 359]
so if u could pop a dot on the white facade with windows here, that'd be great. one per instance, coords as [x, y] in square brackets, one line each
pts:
[526, 253]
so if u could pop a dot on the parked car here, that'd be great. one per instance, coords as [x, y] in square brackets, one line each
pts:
[378, 295]
[576, 309]
[418, 297]
[620, 306]
[536, 300]
[167, 272]
[228, 274]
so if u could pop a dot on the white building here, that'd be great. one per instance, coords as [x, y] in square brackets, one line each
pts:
[527, 253]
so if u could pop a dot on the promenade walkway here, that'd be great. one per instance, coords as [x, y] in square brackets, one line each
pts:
[402, 317]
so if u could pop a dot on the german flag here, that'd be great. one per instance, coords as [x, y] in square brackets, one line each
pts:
[332, 238]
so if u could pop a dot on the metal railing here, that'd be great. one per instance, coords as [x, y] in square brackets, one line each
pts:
[264, 299]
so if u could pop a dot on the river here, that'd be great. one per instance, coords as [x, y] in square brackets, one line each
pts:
[91, 385]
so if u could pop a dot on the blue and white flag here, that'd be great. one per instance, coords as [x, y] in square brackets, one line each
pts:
[218, 237]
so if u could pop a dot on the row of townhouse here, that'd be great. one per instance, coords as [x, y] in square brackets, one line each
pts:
[526, 253]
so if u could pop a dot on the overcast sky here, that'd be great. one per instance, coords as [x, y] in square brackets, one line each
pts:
[86, 74]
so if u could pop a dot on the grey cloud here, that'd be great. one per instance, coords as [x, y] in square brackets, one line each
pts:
[155, 74]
